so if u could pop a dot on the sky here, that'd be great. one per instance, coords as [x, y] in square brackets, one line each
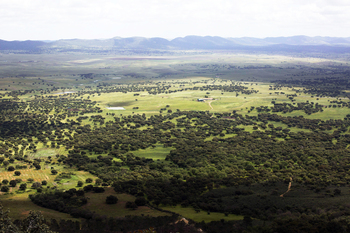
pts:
[102, 19]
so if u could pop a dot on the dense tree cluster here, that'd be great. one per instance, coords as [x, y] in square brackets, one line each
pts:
[334, 86]
[308, 108]
[66, 202]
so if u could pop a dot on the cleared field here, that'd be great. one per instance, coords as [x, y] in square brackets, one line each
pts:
[144, 103]
[157, 153]
[20, 206]
[97, 203]
[202, 215]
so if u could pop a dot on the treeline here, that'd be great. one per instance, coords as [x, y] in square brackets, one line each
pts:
[306, 107]
[335, 86]
[66, 202]
[150, 87]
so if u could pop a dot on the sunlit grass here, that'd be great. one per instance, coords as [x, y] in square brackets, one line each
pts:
[159, 152]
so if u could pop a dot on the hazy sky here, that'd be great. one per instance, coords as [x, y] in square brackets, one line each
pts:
[88, 19]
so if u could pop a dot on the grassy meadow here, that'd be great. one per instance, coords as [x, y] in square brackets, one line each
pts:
[190, 213]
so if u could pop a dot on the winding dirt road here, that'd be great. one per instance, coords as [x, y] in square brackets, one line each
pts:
[211, 107]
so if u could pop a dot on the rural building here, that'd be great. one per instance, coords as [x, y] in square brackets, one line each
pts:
[204, 99]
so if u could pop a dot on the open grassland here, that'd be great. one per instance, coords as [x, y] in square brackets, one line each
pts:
[20, 207]
[190, 213]
[144, 103]
[159, 152]
[97, 203]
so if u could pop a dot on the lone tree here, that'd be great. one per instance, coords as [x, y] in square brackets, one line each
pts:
[13, 183]
[98, 181]
[140, 201]
[23, 187]
[54, 172]
[36, 185]
[5, 189]
[88, 180]
[111, 199]
[17, 173]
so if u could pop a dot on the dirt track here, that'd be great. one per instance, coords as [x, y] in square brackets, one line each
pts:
[209, 103]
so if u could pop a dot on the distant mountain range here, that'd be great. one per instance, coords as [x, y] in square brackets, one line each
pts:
[293, 43]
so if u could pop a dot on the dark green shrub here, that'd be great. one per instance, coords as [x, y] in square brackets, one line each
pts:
[111, 199]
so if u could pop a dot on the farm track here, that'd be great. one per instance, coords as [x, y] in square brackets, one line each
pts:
[209, 103]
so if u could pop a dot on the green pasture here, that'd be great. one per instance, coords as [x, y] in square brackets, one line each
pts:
[223, 102]
[97, 203]
[43, 152]
[20, 207]
[157, 153]
[190, 213]
[150, 104]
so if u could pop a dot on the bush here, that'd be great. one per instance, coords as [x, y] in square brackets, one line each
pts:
[36, 185]
[5, 189]
[111, 199]
[80, 183]
[98, 189]
[98, 181]
[30, 180]
[17, 173]
[88, 188]
[13, 183]
[11, 168]
[44, 182]
[131, 205]
[140, 201]
[5, 181]
[23, 187]
[88, 180]
[54, 172]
